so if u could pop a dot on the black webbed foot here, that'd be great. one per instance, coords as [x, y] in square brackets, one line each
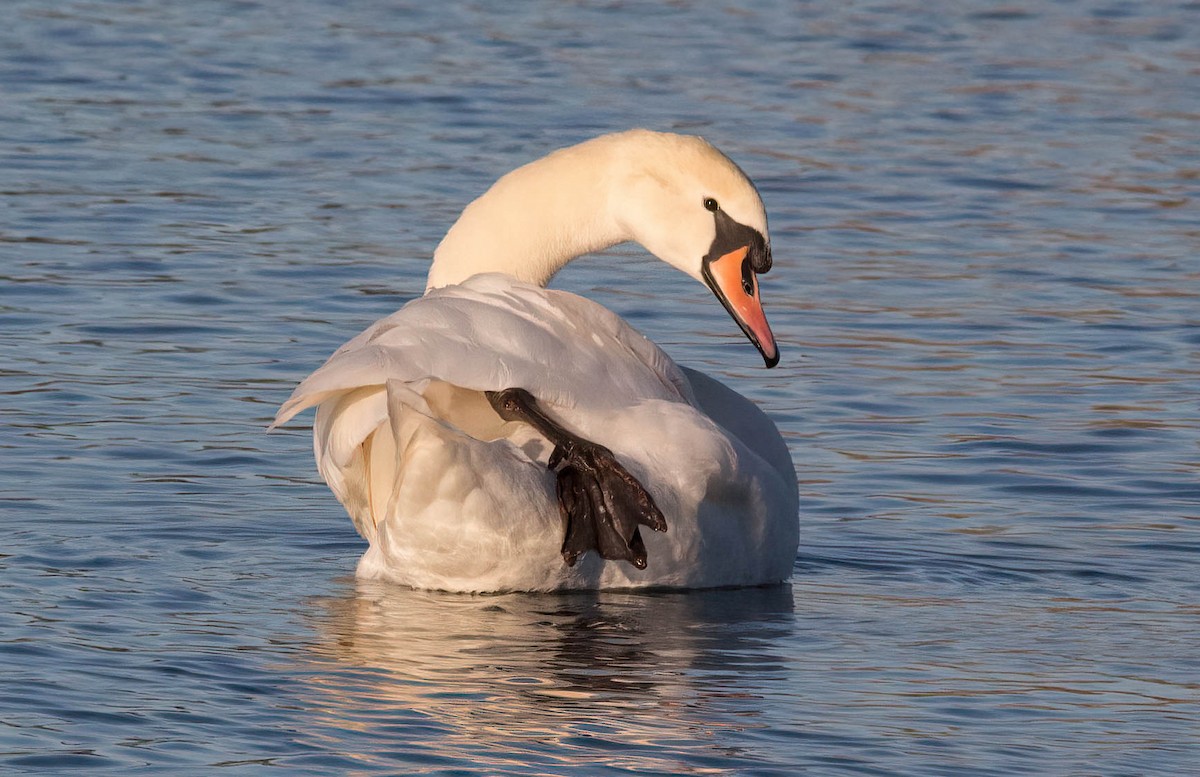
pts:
[602, 505]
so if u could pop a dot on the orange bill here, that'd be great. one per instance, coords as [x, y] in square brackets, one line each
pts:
[736, 285]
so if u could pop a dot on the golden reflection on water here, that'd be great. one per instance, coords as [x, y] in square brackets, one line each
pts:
[607, 677]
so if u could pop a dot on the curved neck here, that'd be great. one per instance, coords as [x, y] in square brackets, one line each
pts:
[535, 219]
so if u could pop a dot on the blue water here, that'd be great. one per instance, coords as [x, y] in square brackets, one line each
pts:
[987, 291]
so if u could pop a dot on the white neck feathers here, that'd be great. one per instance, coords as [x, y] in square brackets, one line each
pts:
[537, 218]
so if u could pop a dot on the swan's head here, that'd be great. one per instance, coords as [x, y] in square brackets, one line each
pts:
[692, 207]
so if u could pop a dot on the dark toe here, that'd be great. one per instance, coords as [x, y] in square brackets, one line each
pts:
[580, 529]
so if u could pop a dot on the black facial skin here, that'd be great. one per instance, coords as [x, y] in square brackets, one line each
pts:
[731, 236]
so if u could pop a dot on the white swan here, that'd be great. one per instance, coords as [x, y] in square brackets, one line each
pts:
[409, 432]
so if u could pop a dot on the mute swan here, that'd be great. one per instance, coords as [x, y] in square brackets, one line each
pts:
[495, 435]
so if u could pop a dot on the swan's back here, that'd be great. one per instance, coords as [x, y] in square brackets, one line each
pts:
[493, 332]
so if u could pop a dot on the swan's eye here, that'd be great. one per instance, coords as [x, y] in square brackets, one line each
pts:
[711, 204]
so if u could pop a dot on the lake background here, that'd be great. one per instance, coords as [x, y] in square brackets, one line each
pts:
[987, 292]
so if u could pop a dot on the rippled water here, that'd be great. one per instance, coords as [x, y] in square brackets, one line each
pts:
[987, 291]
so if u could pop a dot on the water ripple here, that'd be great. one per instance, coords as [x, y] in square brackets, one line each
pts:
[984, 226]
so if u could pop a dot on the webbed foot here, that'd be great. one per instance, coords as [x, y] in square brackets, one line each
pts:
[602, 505]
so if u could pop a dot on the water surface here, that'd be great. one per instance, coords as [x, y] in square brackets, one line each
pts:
[988, 300]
